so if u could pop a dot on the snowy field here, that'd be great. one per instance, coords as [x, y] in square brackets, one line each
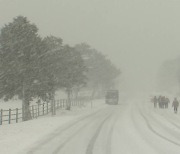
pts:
[16, 137]
[16, 103]
[132, 127]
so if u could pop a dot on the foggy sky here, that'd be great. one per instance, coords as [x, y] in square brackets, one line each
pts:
[137, 35]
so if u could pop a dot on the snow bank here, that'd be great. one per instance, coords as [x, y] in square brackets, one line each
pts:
[16, 137]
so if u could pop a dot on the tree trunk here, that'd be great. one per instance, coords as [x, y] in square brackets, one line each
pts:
[53, 107]
[26, 113]
[69, 99]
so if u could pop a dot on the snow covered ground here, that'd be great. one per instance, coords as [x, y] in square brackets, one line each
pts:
[132, 127]
[17, 103]
[16, 137]
[11, 104]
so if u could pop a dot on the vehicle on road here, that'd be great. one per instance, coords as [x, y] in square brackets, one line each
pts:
[112, 97]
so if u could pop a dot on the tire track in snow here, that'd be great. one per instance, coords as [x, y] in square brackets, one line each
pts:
[155, 132]
[59, 132]
[169, 120]
[90, 147]
[109, 139]
[58, 149]
[133, 114]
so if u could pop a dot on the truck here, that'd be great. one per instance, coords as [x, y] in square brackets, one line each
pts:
[112, 97]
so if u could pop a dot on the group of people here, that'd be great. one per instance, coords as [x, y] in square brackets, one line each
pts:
[163, 102]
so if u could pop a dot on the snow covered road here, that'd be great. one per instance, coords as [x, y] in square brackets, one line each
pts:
[132, 127]
[82, 135]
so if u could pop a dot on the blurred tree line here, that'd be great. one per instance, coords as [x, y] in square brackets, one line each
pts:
[169, 76]
[35, 67]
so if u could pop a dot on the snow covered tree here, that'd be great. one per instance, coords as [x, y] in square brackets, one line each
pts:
[73, 71]
[21, 51]
[53, 43]
[50, 67]
[102, 73]
[63, 67]
[66, 69]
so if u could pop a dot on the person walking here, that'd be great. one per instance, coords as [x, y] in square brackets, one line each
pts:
[155, 101]
[159, 101]
[175, 104]
[167, 102]
[163, 102]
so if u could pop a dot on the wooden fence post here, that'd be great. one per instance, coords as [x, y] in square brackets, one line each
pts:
[58, 104]
[38, 110]
[33, 111]
[1, 117]
[47, 108]
[67, 105]
[54, 107]
[9, 116]
[43, 108]
[17, 115]
[63, 103]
